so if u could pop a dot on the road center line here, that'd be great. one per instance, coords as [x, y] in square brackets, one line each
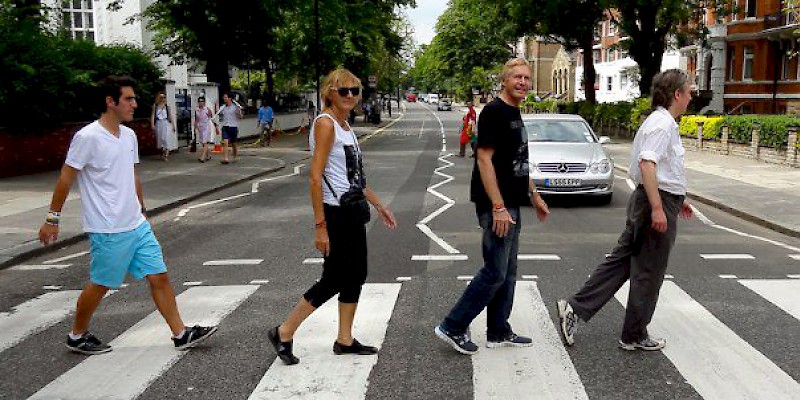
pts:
[65, 258]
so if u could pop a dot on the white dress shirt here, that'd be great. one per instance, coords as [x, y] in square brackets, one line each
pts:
[658, 141]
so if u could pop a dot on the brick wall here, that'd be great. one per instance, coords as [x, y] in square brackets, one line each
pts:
[29, 153]
[765, 154]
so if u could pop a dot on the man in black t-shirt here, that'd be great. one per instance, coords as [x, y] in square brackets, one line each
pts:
[500, 185]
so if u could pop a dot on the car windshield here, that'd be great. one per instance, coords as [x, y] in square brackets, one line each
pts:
[558, 131]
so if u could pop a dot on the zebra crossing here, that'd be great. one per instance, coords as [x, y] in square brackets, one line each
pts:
[711, 356]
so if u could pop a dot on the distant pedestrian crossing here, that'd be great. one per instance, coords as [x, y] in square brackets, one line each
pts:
[712, 357]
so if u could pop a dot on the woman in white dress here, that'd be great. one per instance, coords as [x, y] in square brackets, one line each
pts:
[162, 124]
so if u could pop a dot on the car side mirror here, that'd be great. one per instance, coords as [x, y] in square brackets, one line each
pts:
[604, 139]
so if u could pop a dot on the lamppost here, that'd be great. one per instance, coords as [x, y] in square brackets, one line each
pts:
[317, 55]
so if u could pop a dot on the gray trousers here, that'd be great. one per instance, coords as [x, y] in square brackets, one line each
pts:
[641, 255]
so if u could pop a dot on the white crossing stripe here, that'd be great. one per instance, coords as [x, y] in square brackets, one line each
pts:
[542, 371]
[321, 374]
[781, 292]
[464, 277]
[403, 278]
[718, 363]
[668, 276]
[440, 257]
[35, 315]
[727, 256]
[793, 276]
[144, 351]
[794, 256]
[233, 262]
[727, 276]
[313, 261]
[39, 267]
[193, 283]
[65, 258]
[259, 281]
[539, 257]
[51, 287]
[530, 276]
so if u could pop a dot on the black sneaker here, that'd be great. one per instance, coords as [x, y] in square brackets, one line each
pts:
[87, 344]
[461, 343]
[648, 344]
[355, 348]
[284, 349]
[568, 321]
[194, 335]
[511, 340]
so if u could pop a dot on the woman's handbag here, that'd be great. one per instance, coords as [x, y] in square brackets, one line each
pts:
[352, 202]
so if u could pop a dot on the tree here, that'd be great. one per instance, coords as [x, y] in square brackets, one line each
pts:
[570, 23]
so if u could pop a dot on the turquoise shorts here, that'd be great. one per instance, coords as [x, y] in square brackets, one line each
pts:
[114, 255]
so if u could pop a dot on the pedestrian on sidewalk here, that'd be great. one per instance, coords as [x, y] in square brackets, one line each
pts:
[265, 117]
[467, 128]
[102, 157]
[162, 123]
[231, 113]
[389, 106]
[642, 251]
[202, 128]
[500, 186]
[339, 196]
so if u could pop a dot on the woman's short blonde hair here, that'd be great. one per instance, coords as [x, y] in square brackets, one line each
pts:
[511, 64]
[340, 77]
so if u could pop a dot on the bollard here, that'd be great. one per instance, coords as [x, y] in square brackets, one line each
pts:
[791, 147]
[725, 134]
[700, 125]
[754, 140]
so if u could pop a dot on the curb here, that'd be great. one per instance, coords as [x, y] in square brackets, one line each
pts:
[736, 212]
[24, 256]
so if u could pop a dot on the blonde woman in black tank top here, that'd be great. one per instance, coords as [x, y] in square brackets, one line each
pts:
[339, 235]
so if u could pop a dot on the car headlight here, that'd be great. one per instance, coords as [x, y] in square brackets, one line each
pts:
[602, 167]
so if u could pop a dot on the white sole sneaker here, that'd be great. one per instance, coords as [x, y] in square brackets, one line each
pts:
[636, 346]
[494, 345]
[563, 309]
[440, 333]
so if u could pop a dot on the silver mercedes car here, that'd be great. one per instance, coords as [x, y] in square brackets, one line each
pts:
[566, 157]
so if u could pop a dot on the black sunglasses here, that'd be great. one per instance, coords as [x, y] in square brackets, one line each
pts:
[343, 91]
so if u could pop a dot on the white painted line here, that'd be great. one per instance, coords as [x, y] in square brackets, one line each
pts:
[193, 283]
[793, 276]
[51, 287]
[41, 267]
[542, 371]
[254, 187]
[668, 276]
[182, 213]
[530, 276]
[65, 258]
[539, 257]
[437, 257]
[370, 136]
[259, 281]
[718, 363]
[727, 256]
[446, 246]
[403, 278]
[781, 292]
[464, 277]
[727, 276]
[702, 217]
[35, 315]
[234, 262]
[322, 374]
[420, 129]
[794, 256]
[630, 183]
[747, 235]
[313, 261]
[144, 351]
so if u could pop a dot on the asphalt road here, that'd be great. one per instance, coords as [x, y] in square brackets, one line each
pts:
[731, 323]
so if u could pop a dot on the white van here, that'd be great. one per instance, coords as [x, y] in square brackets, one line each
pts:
[433, 98]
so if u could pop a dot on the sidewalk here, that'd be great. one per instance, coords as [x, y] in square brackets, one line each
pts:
[766, 194]
[25, 200]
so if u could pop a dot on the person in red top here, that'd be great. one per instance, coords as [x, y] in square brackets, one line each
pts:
[467, 128]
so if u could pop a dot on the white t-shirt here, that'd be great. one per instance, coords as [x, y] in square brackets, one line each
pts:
[230, 115]
[659, 141]
[336, 169]
[106, 178]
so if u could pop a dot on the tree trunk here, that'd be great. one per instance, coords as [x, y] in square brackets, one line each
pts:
[649, 67]
[270, 85]
[217, 71]
[589, 73]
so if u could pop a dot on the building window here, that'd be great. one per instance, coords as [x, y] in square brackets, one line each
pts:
[612, 29]
[731, 63]
[609, 83]
[79, 19]
[596, 56]
[750, 9]
[785, 67]
[747, 64]
[623, 54]
[609, 55]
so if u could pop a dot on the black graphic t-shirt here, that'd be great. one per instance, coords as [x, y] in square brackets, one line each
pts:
[500, 128]
[355, 167]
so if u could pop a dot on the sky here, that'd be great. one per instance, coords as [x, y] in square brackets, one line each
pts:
[423, 18]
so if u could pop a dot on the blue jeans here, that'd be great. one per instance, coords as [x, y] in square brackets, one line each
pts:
[493, 286]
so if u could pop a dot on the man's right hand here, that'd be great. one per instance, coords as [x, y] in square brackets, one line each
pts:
[659, 220]
[48, 234]
[501, 223]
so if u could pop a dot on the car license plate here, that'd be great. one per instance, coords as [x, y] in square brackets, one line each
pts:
[562, 182]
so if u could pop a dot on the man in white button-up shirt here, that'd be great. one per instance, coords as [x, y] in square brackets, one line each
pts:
[643, 249]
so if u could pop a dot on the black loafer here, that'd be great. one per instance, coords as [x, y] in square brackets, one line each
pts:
[355, 348]
[284, 349]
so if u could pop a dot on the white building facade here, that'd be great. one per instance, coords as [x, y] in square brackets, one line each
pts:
[618, 80]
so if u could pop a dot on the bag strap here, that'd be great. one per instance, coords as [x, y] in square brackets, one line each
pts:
[329, 186]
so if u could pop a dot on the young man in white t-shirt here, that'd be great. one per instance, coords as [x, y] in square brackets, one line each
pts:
[101, 157]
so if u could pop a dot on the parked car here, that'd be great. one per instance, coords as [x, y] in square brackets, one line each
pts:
[444, 105]
[411, 98]
[567, 158]
[433, 98]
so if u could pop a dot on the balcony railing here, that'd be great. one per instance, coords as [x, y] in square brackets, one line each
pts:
[790, 16]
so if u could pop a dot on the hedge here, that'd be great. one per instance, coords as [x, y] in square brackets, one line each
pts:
[774, 128]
